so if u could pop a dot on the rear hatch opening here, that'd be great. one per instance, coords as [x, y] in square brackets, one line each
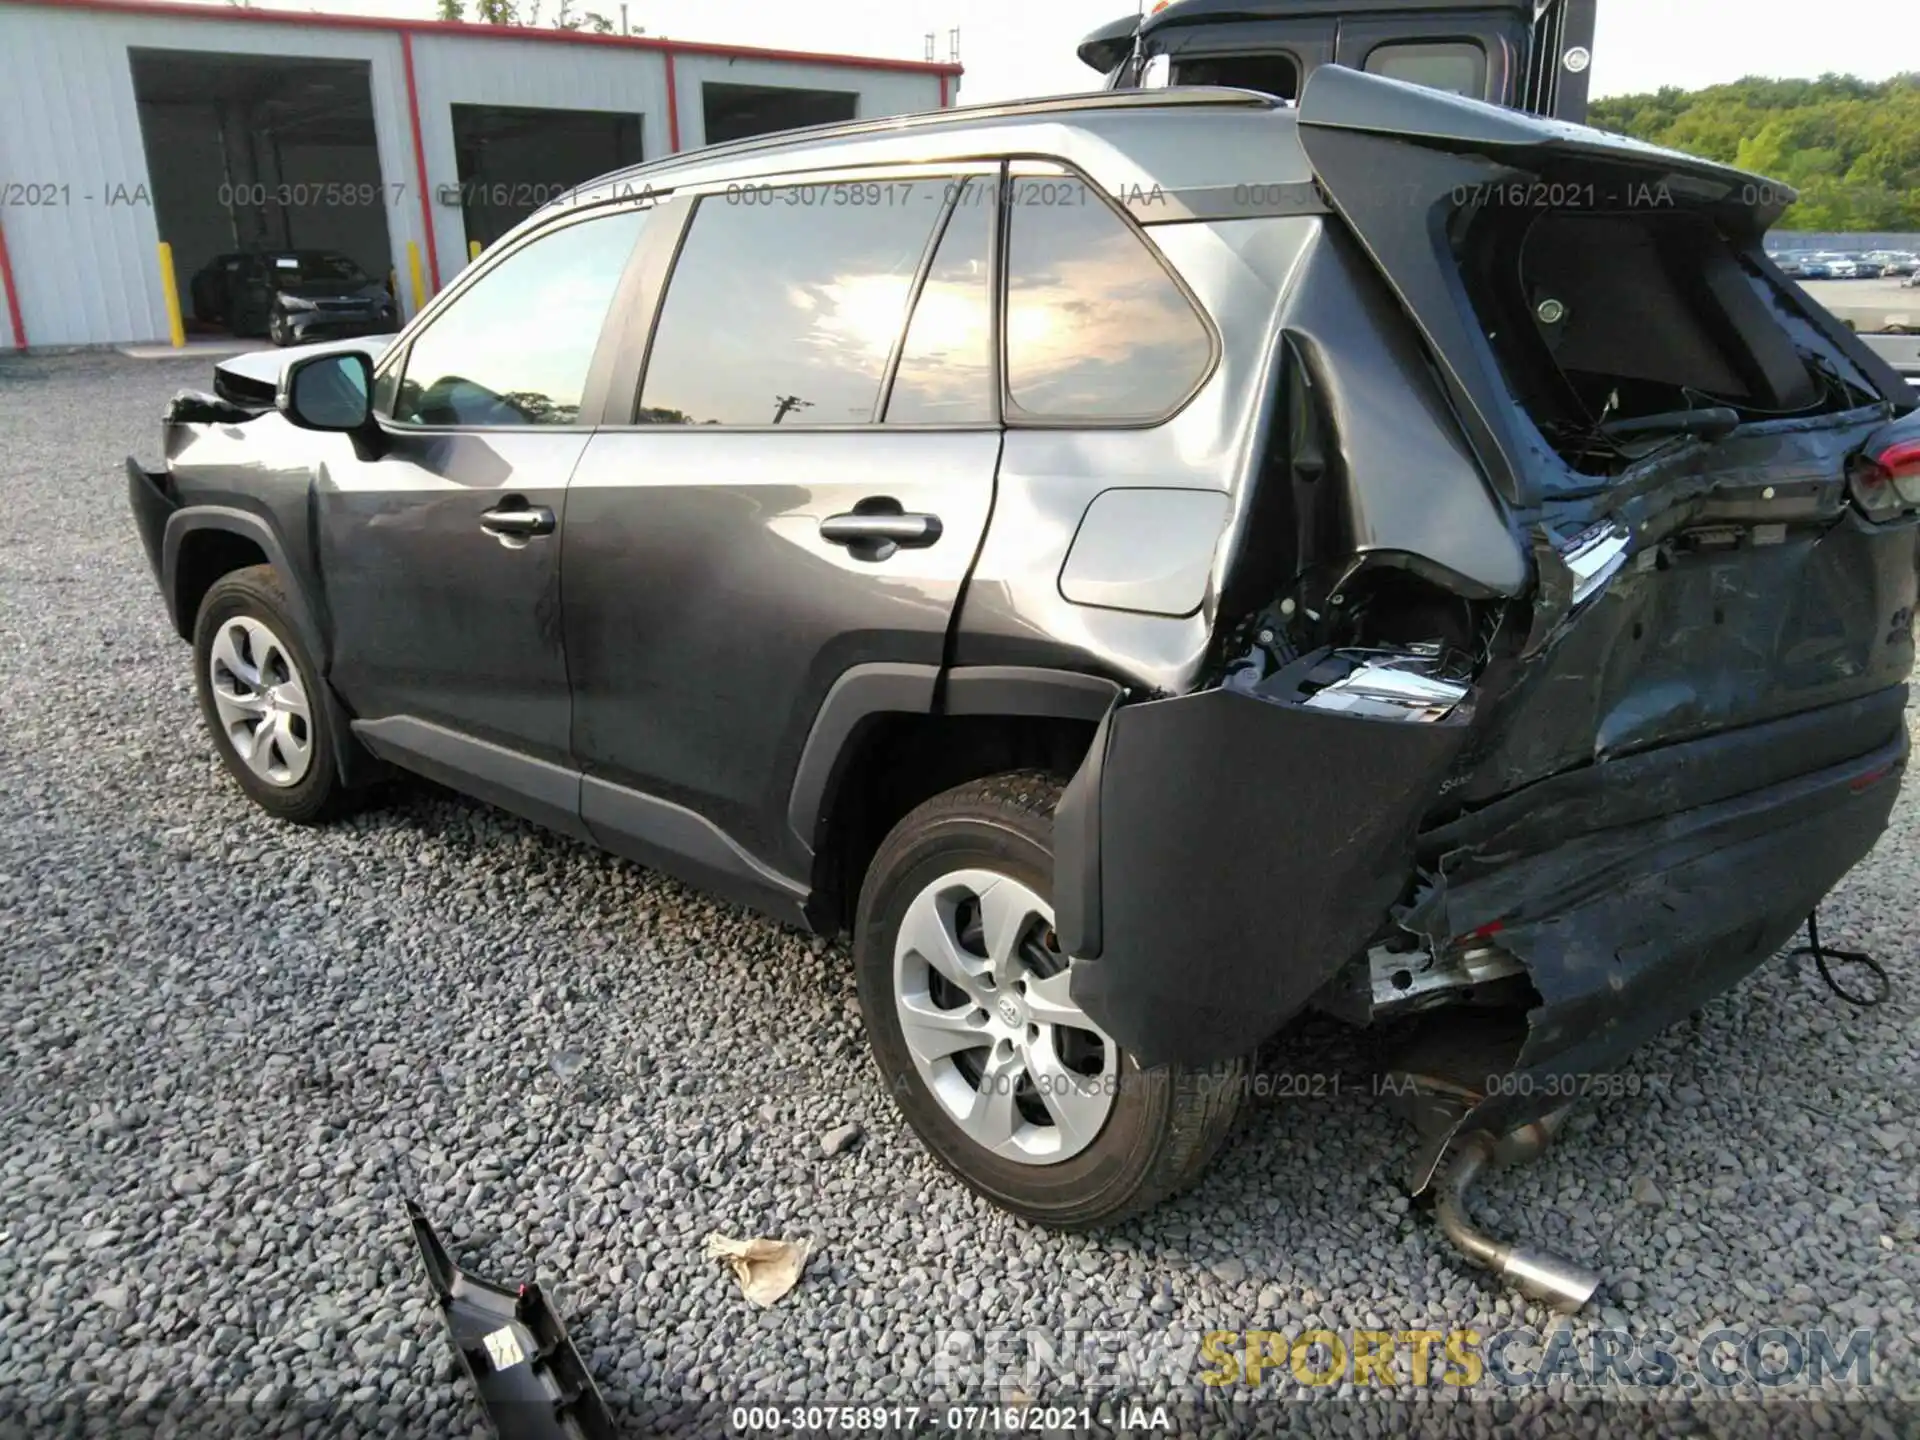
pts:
[1623, 328]
[1590, 303]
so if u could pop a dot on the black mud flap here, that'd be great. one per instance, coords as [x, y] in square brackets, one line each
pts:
[1241, 851]
[530, 1379]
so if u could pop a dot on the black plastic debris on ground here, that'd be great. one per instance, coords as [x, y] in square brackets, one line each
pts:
[530, 1379]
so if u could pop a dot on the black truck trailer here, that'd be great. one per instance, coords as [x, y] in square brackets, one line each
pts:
[1533, 55]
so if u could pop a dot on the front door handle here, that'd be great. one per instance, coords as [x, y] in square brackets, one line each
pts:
[515, 520]
[875, 534]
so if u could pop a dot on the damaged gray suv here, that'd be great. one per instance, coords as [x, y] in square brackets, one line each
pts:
[1142, 565]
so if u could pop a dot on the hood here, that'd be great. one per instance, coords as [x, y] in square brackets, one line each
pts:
[253, 379]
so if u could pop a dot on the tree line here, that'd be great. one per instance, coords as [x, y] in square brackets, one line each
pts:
[1851, 147]
[515, 12]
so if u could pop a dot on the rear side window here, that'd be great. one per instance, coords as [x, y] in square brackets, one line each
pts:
[786, 303]
[1456, 66]
[1097, 329]
[515, 347]
[946, 365]
[1276, 74]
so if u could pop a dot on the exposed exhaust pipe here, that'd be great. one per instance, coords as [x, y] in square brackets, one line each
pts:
[1547, 1278]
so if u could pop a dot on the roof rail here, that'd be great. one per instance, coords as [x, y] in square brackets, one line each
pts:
[1172, 98]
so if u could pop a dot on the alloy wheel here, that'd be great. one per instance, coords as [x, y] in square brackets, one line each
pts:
[980, 990]
[265, 714]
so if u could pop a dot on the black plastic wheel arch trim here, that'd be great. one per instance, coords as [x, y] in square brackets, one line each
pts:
[881, 688]
[190, 519]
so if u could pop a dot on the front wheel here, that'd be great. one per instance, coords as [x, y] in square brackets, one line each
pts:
[261, 698]
[1003, 1076]
[277, 330]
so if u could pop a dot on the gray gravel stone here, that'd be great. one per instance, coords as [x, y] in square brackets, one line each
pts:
[841, 1139]
[235, 1046]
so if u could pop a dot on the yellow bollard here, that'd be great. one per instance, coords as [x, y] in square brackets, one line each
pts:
[176, 328]
[419, 282]
[473, 250]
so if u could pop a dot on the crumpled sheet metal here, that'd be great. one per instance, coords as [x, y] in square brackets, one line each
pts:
[1628, 928]
[766, 1269]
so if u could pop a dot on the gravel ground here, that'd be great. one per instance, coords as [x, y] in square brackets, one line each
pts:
[231, 1047]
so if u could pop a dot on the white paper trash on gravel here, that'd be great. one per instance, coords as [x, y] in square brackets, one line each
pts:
[766, 1269]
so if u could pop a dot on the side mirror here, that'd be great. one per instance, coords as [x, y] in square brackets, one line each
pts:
[328, 392]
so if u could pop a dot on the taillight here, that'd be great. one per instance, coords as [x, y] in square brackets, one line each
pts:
[1889, 482]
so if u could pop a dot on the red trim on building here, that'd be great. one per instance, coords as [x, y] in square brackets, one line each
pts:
[943, 92]
[13, 296]
[172, 9]
[673, 107]
[420, 162]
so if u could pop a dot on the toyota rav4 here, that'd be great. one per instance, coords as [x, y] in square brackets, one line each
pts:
[1142, 565]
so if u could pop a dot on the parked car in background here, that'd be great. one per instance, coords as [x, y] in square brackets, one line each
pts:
[1865, 268]
[1791, 264]
[1838, 267]
[212, 286]
[1896, 262]
[1007, 556]
[297, 296]
[1812, 267]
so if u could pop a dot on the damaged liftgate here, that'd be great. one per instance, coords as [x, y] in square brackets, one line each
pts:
[1570, 801]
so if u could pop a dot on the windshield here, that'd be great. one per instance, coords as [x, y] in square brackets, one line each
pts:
[311, 267]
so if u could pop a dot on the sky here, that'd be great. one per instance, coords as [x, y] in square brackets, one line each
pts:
[1016, 48]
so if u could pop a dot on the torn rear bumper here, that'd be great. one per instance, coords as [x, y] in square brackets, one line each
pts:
[1221, 857]
[1635, 891]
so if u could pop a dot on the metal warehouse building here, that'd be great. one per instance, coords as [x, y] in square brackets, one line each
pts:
[400, 144]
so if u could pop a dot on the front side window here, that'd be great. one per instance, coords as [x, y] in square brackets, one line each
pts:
[786, 303]
[515, 347]
[1456, 66]
[1097, 329]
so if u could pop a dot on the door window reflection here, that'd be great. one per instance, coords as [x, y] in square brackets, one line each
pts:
[946, 365]
[786, 303]
[515, 348]
[1096, 327]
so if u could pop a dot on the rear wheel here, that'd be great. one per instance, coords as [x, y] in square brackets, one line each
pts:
[261, 698]
[1006, 1079]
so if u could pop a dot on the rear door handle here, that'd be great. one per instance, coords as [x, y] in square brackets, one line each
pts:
[912, 532]
[514, 519]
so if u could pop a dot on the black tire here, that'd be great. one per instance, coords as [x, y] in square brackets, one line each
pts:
[256, 594]
[1164, 1126]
